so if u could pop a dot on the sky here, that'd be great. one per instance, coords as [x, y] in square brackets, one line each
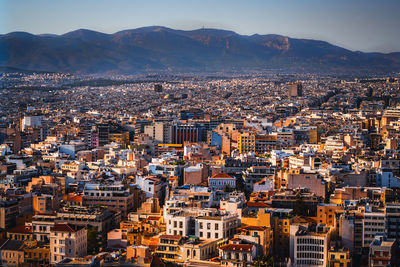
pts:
[364, 25]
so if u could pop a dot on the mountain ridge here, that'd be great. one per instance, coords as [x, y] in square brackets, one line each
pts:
[160, 48]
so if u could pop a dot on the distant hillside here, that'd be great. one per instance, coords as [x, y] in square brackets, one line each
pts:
[159, 48]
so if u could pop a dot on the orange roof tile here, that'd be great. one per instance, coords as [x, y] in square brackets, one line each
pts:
[221, 175]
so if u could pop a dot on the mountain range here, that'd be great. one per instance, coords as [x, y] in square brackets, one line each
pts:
[159, 48]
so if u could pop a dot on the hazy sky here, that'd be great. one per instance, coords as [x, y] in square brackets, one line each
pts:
[366, 25]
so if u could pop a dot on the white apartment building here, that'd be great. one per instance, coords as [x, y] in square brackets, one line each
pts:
[385, 178]
[181, 224]
[67, 240]
[310, 246]
[151, 185]
[41, 226]
[204, 223]
[216, 227]
[373, 223]
[161, 132]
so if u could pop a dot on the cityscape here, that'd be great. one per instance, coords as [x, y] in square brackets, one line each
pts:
[203, 147]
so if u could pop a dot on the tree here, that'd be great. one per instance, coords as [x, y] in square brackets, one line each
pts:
[299, 206]
[227, 188]
[93, 240]
[264, 261]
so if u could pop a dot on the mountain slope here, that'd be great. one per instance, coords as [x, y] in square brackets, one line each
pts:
[159, 48]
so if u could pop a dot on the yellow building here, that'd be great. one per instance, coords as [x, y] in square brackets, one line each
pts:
[339, 258]
[119, 138]
[44, 204]
[36, 254]
[199, 250]
[254, 143]
[20, 232]
[12, 253]
[169, 248]
[262, 219]
[261, 234]
[246, 142]
[139, 254]
[281, 239]
[326, 213]
[314, 136]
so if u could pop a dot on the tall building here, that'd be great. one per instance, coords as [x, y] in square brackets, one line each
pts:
[188, 133]
[374, 223]
[392, 212]
[193, 113]
[310, 246]
[9, 210]
[158, 88]
[254, 143]
[32, 121]
[103, 131]
[295, 89]
[161, 132]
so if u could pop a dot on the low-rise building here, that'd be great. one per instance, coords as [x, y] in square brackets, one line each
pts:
[237, 254]
[170, 248]
[220, 181]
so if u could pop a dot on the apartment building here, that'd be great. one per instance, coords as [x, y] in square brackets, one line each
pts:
[374, 223]
[217, 226]
[9, 210]
[339, 257]
[310, 245]
[392, 211]
[250, 142]
[169, 248]
[67, 240]
[116, 197]
[382, 252]
[99, 218]
[41, 226]
[45, 203]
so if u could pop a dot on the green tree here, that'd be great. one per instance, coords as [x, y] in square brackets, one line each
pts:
[227, 188]
[299, 206]
[93, 240]
[264, 261]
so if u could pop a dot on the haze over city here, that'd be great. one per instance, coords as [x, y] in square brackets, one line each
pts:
[368, 25]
